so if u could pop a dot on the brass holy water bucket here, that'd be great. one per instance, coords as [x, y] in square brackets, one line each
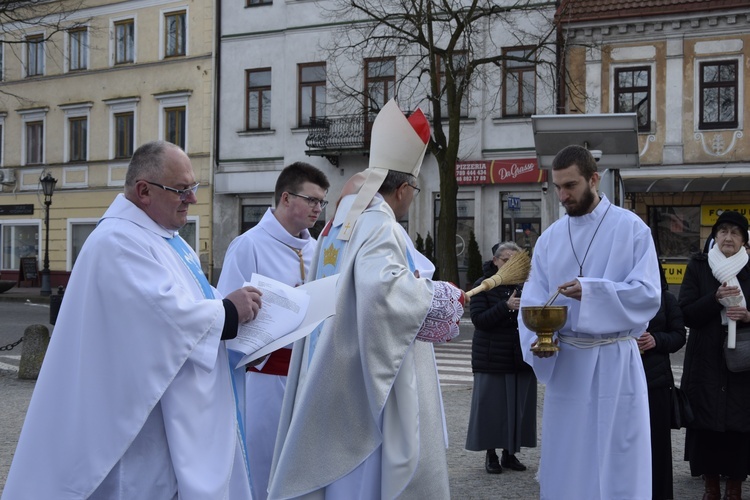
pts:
[544, 321]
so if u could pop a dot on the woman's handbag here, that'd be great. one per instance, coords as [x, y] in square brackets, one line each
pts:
[738, 359]
[682, 413]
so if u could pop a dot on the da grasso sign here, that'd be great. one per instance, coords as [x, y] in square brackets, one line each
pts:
[515, 171]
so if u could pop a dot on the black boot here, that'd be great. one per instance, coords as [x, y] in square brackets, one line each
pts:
[511, 462]
[712, 487]
[733, 490]
[492, 463]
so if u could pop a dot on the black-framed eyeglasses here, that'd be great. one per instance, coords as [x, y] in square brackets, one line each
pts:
[182, 193]
[311, 202]
[416, 189]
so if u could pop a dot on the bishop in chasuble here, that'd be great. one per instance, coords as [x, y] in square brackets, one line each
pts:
[362, 415]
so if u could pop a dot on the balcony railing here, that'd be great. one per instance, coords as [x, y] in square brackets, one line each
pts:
[332, 136]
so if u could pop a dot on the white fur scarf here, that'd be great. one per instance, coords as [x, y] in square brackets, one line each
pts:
[725, 270]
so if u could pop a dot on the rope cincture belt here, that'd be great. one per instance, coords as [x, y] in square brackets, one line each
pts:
[588, 343]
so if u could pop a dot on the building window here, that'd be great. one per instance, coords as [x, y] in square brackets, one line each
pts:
[2, 61]
[18, 240]
[465, 225]
[380, 84]
[79, 232]
[33, 135]
[633, 94]
[459, 68]
[76, 132]
[251, 215]
[312, 92]
[123, 124]
[78, 137]
[252, 3]
[125, 41]
[173, 117]
[189, 232]
[34, 55]
[174, 126]
[523, 224]
[124, 128]
[258, 99]
[78, 47]
[34, 143]
[676, 231]
[519, 82]
[718, 95]
[175, 34]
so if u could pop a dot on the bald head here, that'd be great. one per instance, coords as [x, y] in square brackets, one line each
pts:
[352, 186]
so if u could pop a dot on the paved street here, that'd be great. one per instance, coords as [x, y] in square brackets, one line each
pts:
[468, 479]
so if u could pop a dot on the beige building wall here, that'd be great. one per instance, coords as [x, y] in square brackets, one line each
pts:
[719, 146]
[688, 174]
[146, 86]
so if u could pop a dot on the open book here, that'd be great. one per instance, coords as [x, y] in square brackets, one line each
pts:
[286, 315]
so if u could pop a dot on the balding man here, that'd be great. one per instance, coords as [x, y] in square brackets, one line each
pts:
[135, 397]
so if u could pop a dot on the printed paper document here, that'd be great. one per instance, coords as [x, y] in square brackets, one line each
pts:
[286, 314]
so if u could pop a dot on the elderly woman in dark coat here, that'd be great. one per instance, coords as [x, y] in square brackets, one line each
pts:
[717, 442]
[503, 403]
[665, 334]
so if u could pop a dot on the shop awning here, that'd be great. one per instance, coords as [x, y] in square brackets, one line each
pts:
[688, 179]
[687, 185]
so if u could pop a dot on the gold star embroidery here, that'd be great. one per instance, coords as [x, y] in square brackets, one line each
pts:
[330, 256]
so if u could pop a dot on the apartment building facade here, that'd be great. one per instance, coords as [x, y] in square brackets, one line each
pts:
[276, 105]
[682, 67]
[81, 88]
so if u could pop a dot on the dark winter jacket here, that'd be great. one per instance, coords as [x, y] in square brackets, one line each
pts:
[720, 399]
[668, 330]
[496, 347]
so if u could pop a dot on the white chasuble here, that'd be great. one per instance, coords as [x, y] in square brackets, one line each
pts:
[134, 399]
[364, 419]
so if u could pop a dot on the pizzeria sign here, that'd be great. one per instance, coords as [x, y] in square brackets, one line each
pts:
[514, 171]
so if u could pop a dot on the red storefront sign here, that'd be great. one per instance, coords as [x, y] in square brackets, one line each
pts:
[514, 171]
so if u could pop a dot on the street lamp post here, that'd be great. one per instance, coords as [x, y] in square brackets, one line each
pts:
[48, 186]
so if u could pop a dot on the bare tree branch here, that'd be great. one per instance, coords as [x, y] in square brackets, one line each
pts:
[45, 20]
[450, 54]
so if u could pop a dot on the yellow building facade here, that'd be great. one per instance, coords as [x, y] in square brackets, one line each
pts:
[81, 89]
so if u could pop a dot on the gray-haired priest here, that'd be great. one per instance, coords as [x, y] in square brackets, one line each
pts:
[362, 415]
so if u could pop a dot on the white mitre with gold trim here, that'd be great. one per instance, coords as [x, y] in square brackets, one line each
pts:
[397, 143]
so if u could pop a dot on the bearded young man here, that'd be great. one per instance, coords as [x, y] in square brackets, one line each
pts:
[595, 425]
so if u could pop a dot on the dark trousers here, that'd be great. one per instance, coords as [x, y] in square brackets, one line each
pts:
[660, 407]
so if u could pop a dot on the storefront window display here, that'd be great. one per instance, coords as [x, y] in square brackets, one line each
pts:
[676, 231]
[522, 224]
[18, 240]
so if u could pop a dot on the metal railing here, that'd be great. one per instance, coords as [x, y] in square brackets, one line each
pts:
[338, 133]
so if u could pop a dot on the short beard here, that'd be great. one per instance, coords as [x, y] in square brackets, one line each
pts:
[583, 206]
